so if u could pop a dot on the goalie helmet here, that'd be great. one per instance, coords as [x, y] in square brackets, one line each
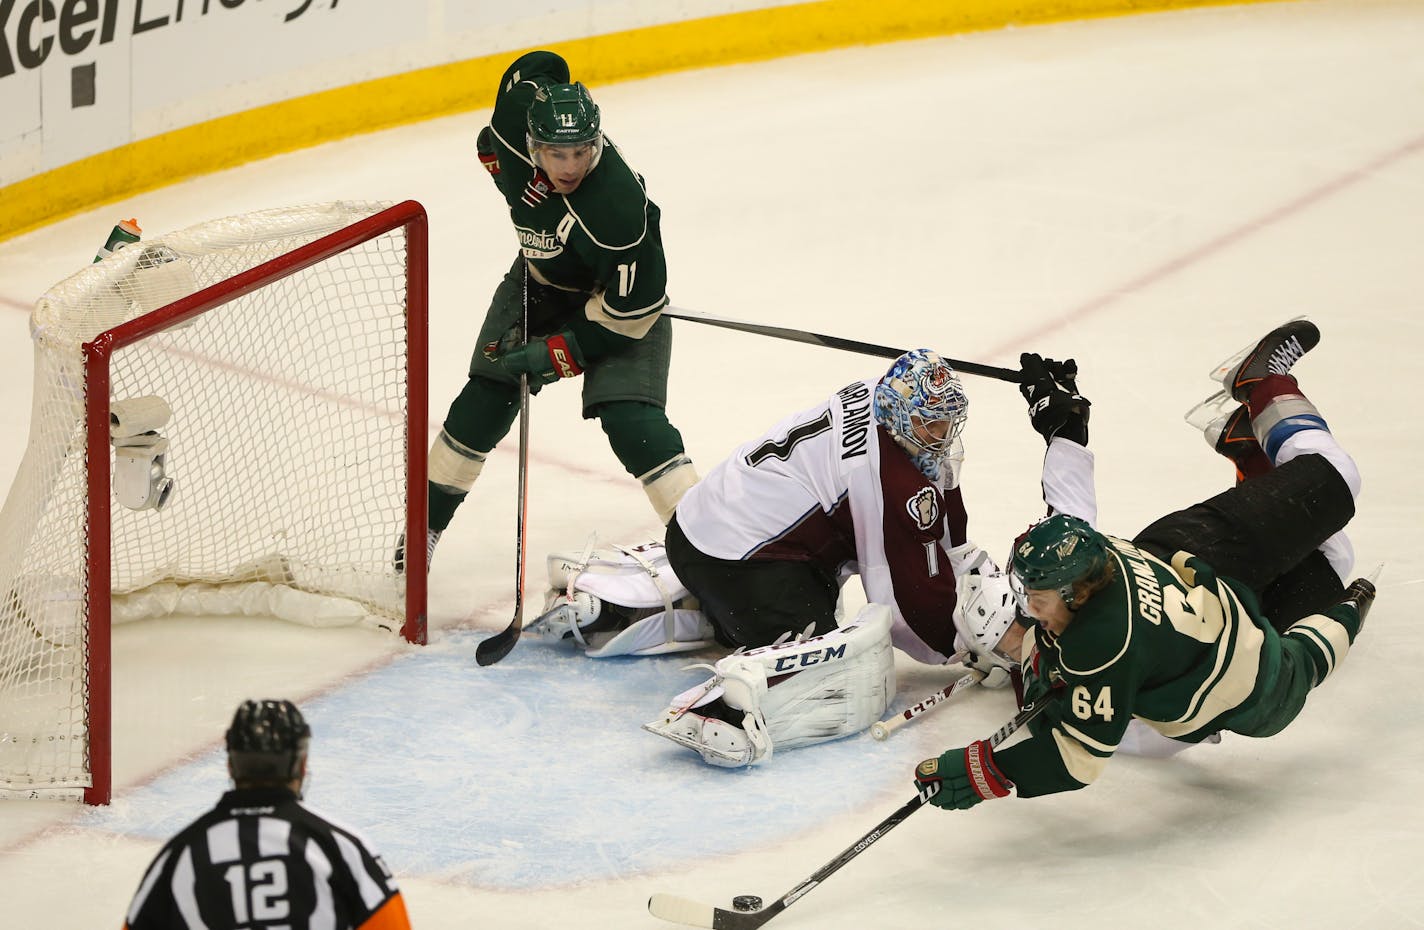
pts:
[922, 403]
[564, 114]
[267, 742]
[1058, 552]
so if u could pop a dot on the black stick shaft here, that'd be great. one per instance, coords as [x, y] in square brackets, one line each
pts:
[833, 342]
[496, 647]
[723, 919]
[908, 808]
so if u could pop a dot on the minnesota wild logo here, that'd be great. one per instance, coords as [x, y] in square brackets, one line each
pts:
[537, 244]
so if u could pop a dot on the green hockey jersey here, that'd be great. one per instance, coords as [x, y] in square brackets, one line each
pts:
[1173, 645]
[601, 240]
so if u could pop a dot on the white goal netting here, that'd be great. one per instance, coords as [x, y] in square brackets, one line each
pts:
[257, 456]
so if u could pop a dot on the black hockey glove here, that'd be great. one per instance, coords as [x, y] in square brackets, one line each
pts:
[1054, 405]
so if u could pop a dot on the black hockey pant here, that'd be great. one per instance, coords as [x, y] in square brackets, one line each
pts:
[753, 602]
[1266, 533]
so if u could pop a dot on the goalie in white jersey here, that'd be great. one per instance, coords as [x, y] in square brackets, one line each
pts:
[865, 483]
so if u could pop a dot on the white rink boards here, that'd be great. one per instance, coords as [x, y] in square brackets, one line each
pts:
[1145, 194]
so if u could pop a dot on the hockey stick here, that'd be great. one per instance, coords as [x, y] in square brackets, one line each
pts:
[496, 647]
[832, 342]
[682, 910]
[884, 728]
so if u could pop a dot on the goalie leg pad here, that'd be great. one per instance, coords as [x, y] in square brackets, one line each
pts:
[659, 634]
[633, 576]
[790, 695]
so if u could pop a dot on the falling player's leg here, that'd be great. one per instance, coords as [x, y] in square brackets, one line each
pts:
[1272, 521]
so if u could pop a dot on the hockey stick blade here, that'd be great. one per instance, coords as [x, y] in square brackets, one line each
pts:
[684, 911]
[679, 910]
[833, 342]
[496, 647]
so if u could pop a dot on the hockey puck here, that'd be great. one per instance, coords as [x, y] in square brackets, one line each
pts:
[746, 902]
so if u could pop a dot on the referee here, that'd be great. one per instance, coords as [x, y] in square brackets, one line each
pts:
[262, 860]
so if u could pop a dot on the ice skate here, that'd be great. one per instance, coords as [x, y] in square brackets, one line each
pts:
[1226, 426]
[1361, 595]
[431, 538]
[573, 616]
[1275, 354]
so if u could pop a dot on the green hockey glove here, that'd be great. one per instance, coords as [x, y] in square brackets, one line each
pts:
[544, 360]
[1035, 678]
[1054, 405]
[964, 777]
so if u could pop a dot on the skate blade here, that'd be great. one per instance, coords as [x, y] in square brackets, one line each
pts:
[1219, 373]
[1216, 407]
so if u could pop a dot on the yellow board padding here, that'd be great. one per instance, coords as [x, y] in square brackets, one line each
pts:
[414, 96]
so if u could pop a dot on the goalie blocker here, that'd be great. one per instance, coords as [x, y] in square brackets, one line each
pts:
[787, 695]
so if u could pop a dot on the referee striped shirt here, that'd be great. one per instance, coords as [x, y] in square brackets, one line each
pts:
[262, 860]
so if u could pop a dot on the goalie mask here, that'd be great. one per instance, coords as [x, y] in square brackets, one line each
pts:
[922, 403]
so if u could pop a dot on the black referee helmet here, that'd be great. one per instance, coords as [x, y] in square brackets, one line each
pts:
[267, 742]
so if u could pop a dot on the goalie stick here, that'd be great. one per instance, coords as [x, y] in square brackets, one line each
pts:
[680, 910]
[884, 728]
[833, 342]
[496, 647]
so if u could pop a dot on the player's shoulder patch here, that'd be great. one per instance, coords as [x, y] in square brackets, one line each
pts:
[923, 507]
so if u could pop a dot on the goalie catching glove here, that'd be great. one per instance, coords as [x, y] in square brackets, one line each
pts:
[1054, 405]
[961, 778]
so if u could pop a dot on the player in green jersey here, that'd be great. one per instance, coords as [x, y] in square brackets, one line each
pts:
[592, 276]
[1168, 628]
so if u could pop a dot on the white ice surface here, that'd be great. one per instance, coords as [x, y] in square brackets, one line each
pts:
[1145, 194]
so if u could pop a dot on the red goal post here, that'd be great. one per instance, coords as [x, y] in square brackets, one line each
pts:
[254, 430]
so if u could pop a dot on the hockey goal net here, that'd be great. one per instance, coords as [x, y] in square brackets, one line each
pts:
[225, 420]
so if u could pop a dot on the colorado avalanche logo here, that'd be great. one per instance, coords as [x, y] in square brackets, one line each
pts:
[924, 508]
[937, 382]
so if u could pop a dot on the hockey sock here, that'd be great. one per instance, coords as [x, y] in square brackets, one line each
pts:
[1326, 637]
[1238, 443]
[443, 504]
[1279, 411]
